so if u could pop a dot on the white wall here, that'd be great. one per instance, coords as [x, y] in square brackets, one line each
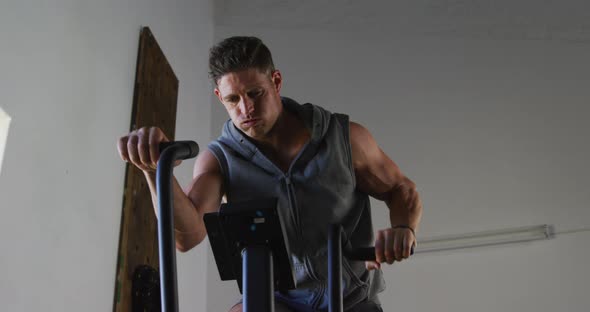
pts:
[67, 71]
[494, 132]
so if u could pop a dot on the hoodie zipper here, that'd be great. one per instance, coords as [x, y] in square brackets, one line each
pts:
[293, 206]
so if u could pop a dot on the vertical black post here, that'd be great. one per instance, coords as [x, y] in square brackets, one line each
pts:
[171, 151]
[335, 268]
[257, 279]
[167, 250]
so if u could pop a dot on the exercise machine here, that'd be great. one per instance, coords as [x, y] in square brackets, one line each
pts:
[248, 242]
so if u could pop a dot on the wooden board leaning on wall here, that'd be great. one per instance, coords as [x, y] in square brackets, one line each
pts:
[154, 104]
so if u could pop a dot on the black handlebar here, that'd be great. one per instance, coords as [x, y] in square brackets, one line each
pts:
[363, 253]
[182, 149]
[360, 254]
[169, 153]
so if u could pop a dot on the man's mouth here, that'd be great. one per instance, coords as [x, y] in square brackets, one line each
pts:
[250, 122]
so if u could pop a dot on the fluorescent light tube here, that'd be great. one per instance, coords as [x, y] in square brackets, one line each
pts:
[4, 123]
[496, 237]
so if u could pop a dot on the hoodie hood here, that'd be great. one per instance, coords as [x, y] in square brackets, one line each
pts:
[315, 118]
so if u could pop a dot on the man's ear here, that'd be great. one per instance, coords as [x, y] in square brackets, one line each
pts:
[277, 80]
[217, 93]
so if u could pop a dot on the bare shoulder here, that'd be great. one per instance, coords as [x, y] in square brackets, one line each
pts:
[358, 132]
[375, 172]
[206, 175]
[207, 178]
[362, 144]
[206, 163]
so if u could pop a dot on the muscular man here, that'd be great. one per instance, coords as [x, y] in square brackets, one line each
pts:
[319, 165]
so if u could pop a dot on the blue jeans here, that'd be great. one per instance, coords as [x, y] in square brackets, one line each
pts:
[365, 306]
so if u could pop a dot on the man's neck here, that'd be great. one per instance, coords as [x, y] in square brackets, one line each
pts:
[286, 138]
[287, 130]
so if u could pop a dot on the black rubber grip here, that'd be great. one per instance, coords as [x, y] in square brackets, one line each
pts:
[191, 146]
[360, 254]
[364, 253]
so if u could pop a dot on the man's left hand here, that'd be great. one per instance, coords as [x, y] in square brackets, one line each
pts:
[392, 244]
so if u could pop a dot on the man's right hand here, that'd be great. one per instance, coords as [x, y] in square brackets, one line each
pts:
[142, 148]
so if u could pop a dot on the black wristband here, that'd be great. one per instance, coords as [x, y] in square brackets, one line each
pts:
[403, 226]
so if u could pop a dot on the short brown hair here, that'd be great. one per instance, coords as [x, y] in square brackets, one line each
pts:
[239, 53]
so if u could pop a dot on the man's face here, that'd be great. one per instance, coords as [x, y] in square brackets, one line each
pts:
[252, 100]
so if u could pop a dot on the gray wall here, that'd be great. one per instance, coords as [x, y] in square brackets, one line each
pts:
[67, 70]
[489, 126]
[493, 131]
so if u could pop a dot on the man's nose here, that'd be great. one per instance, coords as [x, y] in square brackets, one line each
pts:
[247, 106]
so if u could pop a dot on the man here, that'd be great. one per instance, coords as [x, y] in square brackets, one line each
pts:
[320, 166]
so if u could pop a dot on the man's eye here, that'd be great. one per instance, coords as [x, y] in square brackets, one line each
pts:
[255, 94]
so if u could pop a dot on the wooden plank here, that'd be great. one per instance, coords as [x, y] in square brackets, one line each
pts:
[154, 104]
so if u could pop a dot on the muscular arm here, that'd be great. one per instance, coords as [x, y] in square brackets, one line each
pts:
[203, 195]
[377, 175]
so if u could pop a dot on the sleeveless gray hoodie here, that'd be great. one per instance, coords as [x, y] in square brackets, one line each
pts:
[318, 189]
